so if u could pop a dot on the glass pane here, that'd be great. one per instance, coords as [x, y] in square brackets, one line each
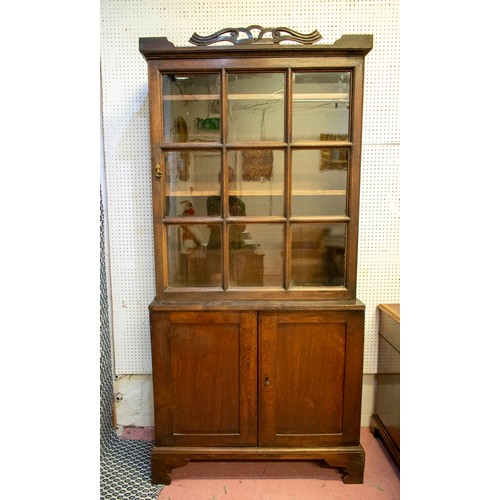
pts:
[319, 181]
[321, 105]
[191, 108]
[258, 261]
[190, 262]
[318, 254]
[258, 180]
[191, 179]
[256, 107]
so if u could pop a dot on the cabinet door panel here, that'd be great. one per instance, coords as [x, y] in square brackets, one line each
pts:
[319, 348]
[204, 369]
[310, 378]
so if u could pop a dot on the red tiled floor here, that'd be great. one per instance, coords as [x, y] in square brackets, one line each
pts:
[282, 480]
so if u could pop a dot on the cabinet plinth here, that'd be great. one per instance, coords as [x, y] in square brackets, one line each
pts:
[351, 459]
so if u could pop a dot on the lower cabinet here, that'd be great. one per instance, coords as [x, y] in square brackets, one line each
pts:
[257, 385]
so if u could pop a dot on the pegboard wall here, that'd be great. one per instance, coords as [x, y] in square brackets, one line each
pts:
[126, 145]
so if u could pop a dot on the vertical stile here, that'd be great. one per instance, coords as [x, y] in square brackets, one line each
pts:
[224, 180]
[288, 178]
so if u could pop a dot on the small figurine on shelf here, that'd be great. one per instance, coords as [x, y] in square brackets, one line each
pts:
[188, 208]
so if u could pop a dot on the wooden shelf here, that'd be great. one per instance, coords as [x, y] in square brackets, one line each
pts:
[336, 96]
[256, 97]
[192, 97]
[274, 192]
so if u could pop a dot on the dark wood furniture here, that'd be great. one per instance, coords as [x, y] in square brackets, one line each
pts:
[385, 422]
[257, 335]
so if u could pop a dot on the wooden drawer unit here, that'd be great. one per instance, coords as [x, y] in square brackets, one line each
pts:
[386, 420]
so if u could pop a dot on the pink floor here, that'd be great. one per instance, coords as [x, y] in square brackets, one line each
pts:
[288, 480]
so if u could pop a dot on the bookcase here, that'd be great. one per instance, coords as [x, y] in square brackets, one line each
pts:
[256, 331]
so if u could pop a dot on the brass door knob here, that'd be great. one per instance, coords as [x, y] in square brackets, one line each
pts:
[158, 171]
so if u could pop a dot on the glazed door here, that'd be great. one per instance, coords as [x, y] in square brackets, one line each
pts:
[205, 378]
[255, 177]
[310, 378]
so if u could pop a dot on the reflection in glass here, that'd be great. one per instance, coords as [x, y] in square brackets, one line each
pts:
[236, 208]
[259, 261]
[191, 177]
[318, 254]
[321, 105]
[258, 180]
[256, 107]
[190, 263]
[319, 181]
[191, 107]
